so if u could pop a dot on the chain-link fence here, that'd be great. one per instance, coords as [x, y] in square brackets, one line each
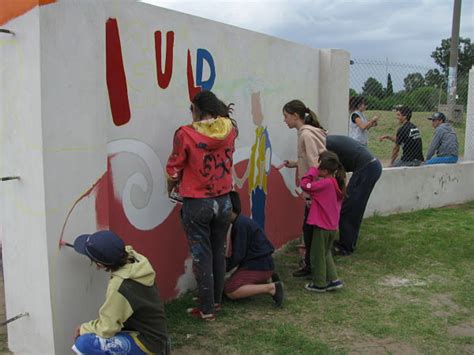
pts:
[385, 86]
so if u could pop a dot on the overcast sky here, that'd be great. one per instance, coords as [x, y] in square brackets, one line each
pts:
[404, 31]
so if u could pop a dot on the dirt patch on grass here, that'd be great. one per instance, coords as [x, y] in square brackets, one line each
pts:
[381, 346]
[360, 344]
[396, 281]
[185, 350]
[465, 329]
[444, 306]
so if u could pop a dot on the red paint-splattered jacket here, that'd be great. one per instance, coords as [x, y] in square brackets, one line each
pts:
[201, 159]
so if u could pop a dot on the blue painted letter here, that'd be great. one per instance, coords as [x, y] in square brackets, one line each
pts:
[203, 54]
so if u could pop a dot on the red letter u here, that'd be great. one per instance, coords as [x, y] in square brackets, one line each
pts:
[164, 78]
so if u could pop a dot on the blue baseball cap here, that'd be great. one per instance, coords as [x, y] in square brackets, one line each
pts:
[104, 247]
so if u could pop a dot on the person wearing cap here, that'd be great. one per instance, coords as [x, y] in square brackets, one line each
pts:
[132, 318]
[408, 137]
[444, 143]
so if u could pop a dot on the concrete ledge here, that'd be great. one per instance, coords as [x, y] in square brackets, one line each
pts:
[410, 189]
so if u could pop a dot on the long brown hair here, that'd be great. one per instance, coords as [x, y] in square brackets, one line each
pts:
[303, 112]
[330, 161]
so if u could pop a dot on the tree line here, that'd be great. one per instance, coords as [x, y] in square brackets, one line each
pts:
[423, 92]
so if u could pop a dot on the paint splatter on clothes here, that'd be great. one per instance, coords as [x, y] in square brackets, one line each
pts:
[206, 221]
[201, 159]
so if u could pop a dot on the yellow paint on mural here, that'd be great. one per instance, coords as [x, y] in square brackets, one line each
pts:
[257, 174]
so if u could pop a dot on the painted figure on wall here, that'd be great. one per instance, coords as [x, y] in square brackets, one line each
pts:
[260, 163]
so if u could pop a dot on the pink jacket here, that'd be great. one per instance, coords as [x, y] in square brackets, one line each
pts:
[326, 200]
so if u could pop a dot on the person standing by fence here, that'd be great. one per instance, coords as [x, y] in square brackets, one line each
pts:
[408, 137]
[359, 125]
[444, 143]
[201, 163]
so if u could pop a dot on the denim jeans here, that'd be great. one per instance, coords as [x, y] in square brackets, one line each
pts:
[400, 163]
[447, 159]
[121, 343]
[206, 222]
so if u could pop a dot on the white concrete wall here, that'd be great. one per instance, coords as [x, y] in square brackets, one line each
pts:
[24, 211]
[430, 186]
[334, 74]
[74, 130]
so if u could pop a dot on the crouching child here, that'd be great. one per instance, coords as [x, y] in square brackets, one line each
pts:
[251, 254]
[132, 318]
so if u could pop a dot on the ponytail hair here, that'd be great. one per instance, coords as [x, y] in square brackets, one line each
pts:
[329, 161]
[308, 116]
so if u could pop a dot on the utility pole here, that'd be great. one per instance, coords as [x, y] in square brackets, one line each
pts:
[453, 60]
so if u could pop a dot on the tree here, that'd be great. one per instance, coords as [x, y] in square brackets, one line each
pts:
[352, 92]
[434, 78]
[389, 90]
[465, 55]
[372, 87]
[413, 81]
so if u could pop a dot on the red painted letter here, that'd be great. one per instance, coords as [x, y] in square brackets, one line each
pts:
[115, 73]
[192, 89]
[164, 78]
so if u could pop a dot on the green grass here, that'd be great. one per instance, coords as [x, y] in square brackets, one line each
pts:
[388, 124]
[432, 250]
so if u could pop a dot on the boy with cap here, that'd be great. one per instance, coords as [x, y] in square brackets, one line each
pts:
[132, 318]
[444, 143]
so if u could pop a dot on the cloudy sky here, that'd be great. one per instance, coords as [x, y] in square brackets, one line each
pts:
[405, 31]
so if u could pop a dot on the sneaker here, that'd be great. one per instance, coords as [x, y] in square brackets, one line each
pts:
[313, 288]
[275, 277]
[304, 271]
[334, 285]
[217, 306]
[279, 295]
[338, 250]
[196, 312]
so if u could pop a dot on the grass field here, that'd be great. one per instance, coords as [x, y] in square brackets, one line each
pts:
[408, 289]
[388, 124]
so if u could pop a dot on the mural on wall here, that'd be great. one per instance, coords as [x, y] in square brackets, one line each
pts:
[259, 164]
[151, 222]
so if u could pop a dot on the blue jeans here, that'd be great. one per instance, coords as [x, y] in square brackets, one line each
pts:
[400, 163]
[448, 159]
[206, 222]
[120, 344]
